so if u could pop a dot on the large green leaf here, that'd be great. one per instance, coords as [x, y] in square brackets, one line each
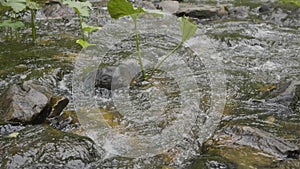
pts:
[188, 28]
[119, 8]
[32, 5]
[11, 24]
[89, 28]
[295, 2]
[81, 8]
[84, 44]
[16, 5]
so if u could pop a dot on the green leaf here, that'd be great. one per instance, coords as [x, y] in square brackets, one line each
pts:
[119, 8]
[9, 23]
[81, 8]
[16, 5]
[84, 44]
[188, 28]
[89, 29]
[32, 5]
[295, 2]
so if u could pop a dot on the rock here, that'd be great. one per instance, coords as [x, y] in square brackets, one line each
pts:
[240, 12]
[44, 147]
[264, 9]
[147, 5]
[169, 6]
[56, 10]
[57, 104]
[30, 103]
[231, 136]
[25, 103]
[201, 11]
[9, 128]
[66, 121]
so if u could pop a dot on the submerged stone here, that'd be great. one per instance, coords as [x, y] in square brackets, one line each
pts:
[44, 147]
[233, 136]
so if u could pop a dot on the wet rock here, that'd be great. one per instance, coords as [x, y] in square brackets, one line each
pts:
[201, 11]
[287, 94]
[147, 5]
[57, 105]
[30, 103]
[204, 162]
[169, 6]
[232, 136]
[44, 147]
[265, 9]
[9, 128]
[289, 164]
[66, 121]
[240, 12]
[56, 10]
[25, 103]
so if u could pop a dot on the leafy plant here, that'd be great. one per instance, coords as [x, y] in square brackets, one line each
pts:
[84, 44]
[120, 8]
[89, 29]
[19, 6]
[295, 2]
[82, 9]
[16, 5]
[9, 25]
[33, 6]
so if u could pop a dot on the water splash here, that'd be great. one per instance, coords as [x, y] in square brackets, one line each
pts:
[180, 108]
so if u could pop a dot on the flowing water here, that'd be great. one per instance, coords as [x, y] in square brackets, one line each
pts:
[252, 65]
[182, 101]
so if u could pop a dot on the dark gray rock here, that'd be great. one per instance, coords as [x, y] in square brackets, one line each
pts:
[30, 103]
[44, 147]
[232, 136]
[25, 103]
[202, 11]
[240, 12]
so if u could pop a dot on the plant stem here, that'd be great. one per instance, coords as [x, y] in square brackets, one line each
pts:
[10, 34]
[134, 18]
[164, 59]
[82, 31]
[33, 25]
[17, 34]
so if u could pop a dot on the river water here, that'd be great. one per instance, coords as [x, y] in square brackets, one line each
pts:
[217, 100]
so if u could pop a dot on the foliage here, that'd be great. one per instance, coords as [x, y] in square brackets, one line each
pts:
[89, 29]
[120, 8]
[81, 8]
[187, 28]
[12, 24]
[20, 6]
[16, 5]
[295, 2]
[84, 44]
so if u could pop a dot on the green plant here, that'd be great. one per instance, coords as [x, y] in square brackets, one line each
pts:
[120, 8]
[19, 6]
[82, 9]
[9, 25]
[295, 2]
[84, 44]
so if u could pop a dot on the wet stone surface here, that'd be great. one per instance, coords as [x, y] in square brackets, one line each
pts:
[259, 43]
[41, 146]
